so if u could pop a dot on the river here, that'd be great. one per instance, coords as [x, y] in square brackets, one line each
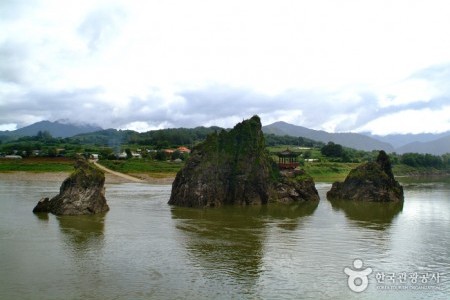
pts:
[145, 249]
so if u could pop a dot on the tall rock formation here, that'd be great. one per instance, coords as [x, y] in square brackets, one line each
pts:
[82, 193]
[373, 181]
[235, 168]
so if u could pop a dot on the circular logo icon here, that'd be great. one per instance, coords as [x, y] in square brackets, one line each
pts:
[357, 279]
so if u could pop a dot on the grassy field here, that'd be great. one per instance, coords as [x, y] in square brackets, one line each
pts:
[153, 168]
[37, 164]
[404, 170]
[321, 171]
[328, 171]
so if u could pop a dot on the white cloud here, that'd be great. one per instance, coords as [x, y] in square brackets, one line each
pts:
[411, 121]
[324, 64]
[10, 126]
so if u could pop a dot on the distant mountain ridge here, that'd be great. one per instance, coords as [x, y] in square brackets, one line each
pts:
[437, 147]
[400, 140]
[352, 140]
[436, 144]
[56, 129]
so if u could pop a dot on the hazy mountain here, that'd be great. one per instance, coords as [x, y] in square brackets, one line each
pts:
[399, 140]
[56, 129]
[352, 140]
[436, 147]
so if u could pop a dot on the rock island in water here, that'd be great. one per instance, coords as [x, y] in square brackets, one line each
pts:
[234, 167]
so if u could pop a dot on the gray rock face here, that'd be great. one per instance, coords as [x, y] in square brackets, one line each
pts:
[234, 168]
[297, 188]
[373, 181]
[82, 193]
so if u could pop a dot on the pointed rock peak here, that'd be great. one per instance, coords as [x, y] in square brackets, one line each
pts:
[233, 167]
[385, 163]
[82, 193]
[372, 181]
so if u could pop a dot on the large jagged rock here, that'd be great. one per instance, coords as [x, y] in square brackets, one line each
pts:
[373, 181]
[82, 193]
[234, 168]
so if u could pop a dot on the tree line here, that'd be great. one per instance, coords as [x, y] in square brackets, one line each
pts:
[110, 142]
[338, 153]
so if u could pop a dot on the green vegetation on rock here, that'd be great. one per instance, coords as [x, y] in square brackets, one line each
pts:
[82, 193]
[372, 181]
[234, 167]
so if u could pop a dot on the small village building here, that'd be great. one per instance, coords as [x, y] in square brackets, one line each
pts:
[180, 149]
[311, 160]
[183, 149]
[123, 155]
[287, 159]
[13, 157]
[136, 155]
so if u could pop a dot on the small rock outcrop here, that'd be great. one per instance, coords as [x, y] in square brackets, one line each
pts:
[294, 186]
[82, 193]
[233, 167]
[373, 181]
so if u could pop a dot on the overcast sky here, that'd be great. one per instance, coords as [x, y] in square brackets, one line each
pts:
[348, 65]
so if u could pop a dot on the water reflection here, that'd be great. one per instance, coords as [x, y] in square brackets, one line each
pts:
[288, 216]
[424, 180]
[374, 215]
[229, 240]
[41, 216]
[82, 232]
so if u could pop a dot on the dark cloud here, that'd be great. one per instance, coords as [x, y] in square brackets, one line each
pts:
[216, 102]
[77, 106]
[225, 102]
[209, 105]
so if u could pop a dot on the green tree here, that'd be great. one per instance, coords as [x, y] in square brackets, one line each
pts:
[44, 136]
[162, 145]
[307, 154]
[177, 155]
[52, 152]
[105, 152]
[128, 152]
[332, 150]
[161, 155]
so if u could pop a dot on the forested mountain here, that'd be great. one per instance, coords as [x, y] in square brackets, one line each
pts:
[56, 129]
[276, 133]
[160, 138]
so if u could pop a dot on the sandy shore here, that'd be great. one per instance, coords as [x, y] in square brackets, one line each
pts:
[60, 176]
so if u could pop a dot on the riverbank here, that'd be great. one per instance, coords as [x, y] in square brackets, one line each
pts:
[60, 176]
[157, 172]
[58, 168]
